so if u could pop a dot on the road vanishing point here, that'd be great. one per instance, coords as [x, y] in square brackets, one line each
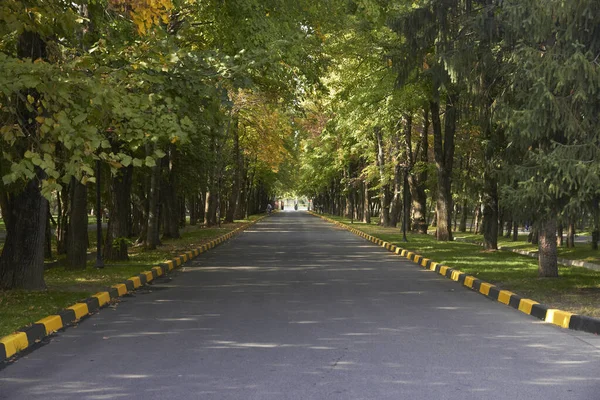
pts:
[296, 308]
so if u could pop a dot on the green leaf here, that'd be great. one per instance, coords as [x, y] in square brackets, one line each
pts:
[150, 162]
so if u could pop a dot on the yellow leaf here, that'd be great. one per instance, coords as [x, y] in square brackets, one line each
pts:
[40, 119]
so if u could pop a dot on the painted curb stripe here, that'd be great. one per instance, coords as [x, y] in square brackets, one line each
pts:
[558, 317]
[51, 323]
[442, 270]
[149, 275]
[121, 289]
[484, 288]
[504, 296]
[525, 305]
[135, 280]
[469, 281]
[103, 298]
[80, 309]
[14, 343]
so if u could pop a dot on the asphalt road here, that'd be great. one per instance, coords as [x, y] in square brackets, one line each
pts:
[295, 308]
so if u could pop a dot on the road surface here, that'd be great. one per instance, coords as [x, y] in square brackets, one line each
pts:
[295, 308]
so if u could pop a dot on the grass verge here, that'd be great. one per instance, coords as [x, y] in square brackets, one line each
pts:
[576, 290]
[581, 251]
[19, 308]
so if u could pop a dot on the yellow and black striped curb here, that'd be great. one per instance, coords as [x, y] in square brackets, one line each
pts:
[27, 336]
[561, 318]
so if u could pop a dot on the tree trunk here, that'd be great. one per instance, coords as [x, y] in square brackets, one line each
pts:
[170, 207]
[117, 235]
[367, 204]
[48, 239]
[571, 234]
[234, 198]
[153, 236]
[490, 212]
[548, 261]
[509, 225]
[560, 235]
[463, 217]
[476, 218]
[383, 192]
[210, 211]
[596, 223]
[515, 236]
[444, 157]
[78, 227]
[193, 209]
[417, 179]
[396, 207]
[22, 260]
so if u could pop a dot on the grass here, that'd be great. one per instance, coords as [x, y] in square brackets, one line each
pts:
[581, 251]
[19, 308]
[576, 290]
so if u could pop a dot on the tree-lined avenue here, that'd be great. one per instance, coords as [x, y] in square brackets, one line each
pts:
[295, 308]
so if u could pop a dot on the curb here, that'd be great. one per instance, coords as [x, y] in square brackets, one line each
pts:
[561, 318]
[34, 333]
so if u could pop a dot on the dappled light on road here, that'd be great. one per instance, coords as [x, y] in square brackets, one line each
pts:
[311, 314]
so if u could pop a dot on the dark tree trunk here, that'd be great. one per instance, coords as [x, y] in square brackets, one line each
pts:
[117, 235]
[463, 216]
[509, 225]
[490, 212]
[444, 156]
[64, 210]
[571, 234]
[153, 236]
[560, 236]
[515, 236]
[78, 227]
[22, 260]
[548, 261]
[417, 179]
[234, 198]
[534, 236]
[193, 209]
[500, 222]
[48, 239]
[170, 209]
[596, 223]
[383, 191]
[181, 211]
